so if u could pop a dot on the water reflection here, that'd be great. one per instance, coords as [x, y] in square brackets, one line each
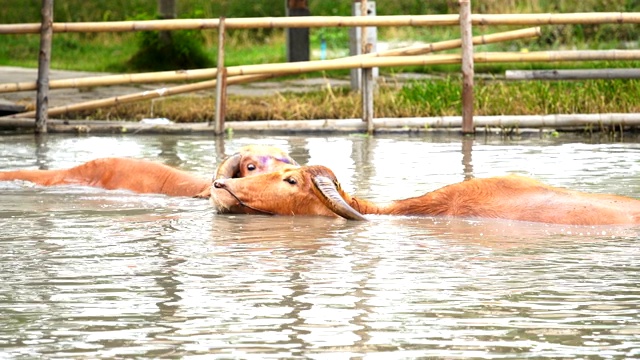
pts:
[88, 273]
[467, 164]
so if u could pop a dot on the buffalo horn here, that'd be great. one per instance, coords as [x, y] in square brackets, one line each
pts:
[229, 168]
[332, 199]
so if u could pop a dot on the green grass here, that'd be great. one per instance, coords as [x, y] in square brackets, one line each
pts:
[498, 97]
[438, 97]
[71, 52]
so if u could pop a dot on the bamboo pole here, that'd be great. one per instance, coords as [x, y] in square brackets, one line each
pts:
[332, 21]
[141, 96]
[498, 57]
[550, 56]
[456, 43]
[552, 121]
[221, 83]
[573, 74]
[518, 121]
[200, 74]
[395, 125]
[467, 66]
[106, 80]
[44, 59]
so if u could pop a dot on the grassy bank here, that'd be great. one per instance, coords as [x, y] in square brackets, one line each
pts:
[413, 99]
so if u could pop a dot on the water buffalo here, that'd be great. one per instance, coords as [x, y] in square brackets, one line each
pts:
[314, 190]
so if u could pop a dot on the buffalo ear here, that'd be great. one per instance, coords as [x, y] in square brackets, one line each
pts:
[332, 199]
[229, 168]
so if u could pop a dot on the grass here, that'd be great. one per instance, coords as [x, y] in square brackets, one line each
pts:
[99, 53]
[439, 97]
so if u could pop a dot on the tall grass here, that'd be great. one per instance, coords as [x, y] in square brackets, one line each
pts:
[499, 97]
[436, 97]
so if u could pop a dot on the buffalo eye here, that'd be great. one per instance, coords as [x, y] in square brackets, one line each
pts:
[291, 181]
[251, 167]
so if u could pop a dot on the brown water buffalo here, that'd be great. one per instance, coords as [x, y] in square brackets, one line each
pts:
[143, 176]
[314, 190]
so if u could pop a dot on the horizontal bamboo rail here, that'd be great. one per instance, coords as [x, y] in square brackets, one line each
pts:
[490, 123]
[264, 71]
[330, 21]
[440, 59]
[199, 74]
[553, 121]
[572, 74]
[107, 80]
[140, 96]
[453, 44]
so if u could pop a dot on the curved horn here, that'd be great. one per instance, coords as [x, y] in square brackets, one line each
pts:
[229, 167]
[332, 199]
[293, 162]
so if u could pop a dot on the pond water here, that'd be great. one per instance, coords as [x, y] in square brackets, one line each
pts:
[90, 273]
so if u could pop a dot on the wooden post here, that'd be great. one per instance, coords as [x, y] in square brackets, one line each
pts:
[166, 10]
[367, 76]
[467, 67]
[297, 38]
[221, 83]
[44, 60]
[355, 41]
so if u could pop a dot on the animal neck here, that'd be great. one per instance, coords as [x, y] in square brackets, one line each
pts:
[422, 205]
[426, 204]
[363, 206]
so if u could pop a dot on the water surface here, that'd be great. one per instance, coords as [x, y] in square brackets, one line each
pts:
[90, 273]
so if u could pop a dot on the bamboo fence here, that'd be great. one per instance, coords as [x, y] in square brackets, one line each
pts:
[403, 57]
[199, 74]
[248, 73]
[330, 21]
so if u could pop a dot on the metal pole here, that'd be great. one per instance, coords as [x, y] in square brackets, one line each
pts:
[44, 60]
[367, 76]
[467, 67]
[221, 83]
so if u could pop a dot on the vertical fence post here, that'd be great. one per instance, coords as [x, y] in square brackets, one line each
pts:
[44, 59]
[367, 75]
[297, 38]
[221, 83]
[467, 67]
[355, 42]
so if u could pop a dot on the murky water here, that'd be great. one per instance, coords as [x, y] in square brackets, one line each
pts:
[89, 273]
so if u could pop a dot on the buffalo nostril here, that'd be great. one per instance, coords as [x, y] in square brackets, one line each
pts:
[218, 184]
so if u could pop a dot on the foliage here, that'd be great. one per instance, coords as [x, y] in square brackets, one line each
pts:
[169, 50]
